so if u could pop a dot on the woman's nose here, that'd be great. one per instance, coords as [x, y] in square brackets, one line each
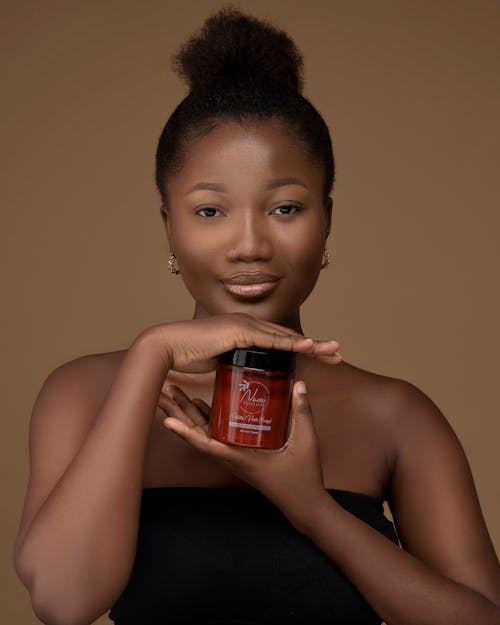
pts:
[250, 240]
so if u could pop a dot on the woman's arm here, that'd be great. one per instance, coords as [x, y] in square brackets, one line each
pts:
[448, 573]
[76, 546]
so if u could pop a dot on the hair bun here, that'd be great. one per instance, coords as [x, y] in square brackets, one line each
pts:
[232, 47]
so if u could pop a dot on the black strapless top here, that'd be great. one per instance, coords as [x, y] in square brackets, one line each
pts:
[228, 556]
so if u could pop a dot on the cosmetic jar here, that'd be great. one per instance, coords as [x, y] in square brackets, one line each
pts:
[252, 397]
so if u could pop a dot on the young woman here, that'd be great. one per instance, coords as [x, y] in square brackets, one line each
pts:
[131, 506]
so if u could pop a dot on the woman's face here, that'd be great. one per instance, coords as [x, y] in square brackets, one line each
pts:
[247, 222]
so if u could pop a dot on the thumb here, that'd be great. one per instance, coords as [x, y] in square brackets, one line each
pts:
[300, 400]
[301, 414]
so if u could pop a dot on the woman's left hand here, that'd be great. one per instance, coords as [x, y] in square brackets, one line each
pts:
[290, 477]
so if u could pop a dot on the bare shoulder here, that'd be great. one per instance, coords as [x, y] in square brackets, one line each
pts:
[399, 404]
[63, 413]
[69, 401]
[430, 487]
[431, 491]
[379, 397]
[405, 413]
[93, 374]
[357, 414]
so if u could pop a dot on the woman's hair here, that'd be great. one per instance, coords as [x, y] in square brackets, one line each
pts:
[239, 68]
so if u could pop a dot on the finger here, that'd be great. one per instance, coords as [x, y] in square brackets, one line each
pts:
[203, 407]
[273, 328]
[200, 440]
[291, 343]
[331, 359]
[300, 343]
[271, 338]
[301, 413]
[284, 331]
[171, 409]
[301, 405]
[187, 404]
[279, 328]
[194, 434]
[327, 351]
[188, 407]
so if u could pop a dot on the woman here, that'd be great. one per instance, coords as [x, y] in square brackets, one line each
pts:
[132, 507]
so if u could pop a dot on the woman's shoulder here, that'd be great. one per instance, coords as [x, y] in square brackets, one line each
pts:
[353, 384]
[92, 373]
[394, 402]
[356, 413]
[388, 421]
[100, 362]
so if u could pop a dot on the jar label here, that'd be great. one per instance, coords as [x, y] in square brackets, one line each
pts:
[254, 397]
[249, 423]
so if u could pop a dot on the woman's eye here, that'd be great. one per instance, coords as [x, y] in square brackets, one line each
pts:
[286, 209]
[207, 212]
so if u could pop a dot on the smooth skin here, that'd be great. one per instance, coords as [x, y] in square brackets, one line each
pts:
[139, 416]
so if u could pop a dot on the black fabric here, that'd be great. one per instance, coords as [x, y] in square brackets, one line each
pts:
[228, 556]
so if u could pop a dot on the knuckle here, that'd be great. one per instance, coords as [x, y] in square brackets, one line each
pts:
[304, 407]
[182, 402]
[243, 339]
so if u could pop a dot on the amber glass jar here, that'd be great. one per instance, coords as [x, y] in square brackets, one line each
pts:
[252, 397]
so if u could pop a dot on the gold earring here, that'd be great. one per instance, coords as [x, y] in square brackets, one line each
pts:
[171, 264]
[327, 259]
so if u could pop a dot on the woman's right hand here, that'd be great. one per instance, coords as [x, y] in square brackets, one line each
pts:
[193, 346]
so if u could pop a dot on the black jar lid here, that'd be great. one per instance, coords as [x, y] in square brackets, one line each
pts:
[257, 358]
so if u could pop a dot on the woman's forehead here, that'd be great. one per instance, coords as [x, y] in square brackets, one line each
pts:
[254, 149]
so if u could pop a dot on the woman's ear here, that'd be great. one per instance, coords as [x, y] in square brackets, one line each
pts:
[166, 222]
[329, 210]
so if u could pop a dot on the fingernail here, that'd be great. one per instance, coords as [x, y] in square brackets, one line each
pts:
[301, 388]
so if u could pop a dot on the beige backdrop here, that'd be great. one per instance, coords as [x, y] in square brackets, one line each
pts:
[411, 93]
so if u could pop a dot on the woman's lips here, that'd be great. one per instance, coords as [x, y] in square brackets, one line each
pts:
[250, 290]
[250, 286]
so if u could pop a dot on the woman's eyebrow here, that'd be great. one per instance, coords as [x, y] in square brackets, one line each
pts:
[210, 186]
[270, 184]
[283, 182]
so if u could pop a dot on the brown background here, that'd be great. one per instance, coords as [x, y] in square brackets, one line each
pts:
[410, 91]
